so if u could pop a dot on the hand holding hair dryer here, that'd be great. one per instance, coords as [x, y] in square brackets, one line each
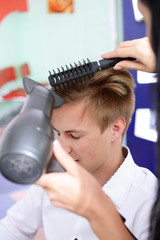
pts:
[26, 145]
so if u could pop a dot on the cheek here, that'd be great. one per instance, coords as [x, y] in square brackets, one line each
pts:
[91, 149]
[86, 150]
[82, 147]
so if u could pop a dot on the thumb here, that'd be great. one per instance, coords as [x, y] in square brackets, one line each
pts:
[65, 159]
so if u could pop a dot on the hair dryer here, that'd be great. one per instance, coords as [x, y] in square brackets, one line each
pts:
[26, 145]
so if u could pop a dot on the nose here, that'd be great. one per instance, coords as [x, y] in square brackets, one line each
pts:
[65, 143]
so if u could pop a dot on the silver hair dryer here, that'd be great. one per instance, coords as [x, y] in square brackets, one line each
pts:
[26, 144]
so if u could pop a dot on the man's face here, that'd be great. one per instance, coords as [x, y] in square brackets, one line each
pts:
[81, 136]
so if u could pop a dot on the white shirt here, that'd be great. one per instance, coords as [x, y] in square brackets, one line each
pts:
[132, 190]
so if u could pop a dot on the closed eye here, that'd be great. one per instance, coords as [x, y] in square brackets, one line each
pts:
[74, 137]
[69, 134]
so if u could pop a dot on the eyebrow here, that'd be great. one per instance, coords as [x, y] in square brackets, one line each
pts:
[70, 131]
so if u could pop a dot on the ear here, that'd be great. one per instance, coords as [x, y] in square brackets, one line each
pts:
[118, 129]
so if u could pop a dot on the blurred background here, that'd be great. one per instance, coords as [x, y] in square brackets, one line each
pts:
[40, 35]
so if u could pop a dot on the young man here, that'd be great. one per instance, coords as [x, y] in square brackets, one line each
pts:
[90, 127]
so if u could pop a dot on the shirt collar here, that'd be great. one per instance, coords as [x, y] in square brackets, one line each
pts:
[117, 186]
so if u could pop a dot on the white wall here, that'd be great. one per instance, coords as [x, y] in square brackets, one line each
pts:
[48, 41]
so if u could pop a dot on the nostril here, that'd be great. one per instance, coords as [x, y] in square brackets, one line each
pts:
[68, 149]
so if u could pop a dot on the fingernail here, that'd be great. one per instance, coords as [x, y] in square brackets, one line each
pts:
[117, 67]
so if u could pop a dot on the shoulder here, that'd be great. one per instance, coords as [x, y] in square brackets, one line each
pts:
[143, 178]
[140, 183]
[141, 174]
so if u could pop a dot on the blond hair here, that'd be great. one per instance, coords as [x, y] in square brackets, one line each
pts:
[109, 95]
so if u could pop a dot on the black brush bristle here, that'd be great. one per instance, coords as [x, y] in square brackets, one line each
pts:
[69, 77]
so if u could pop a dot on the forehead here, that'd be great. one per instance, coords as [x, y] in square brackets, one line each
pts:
[75, 109]
[71, 115]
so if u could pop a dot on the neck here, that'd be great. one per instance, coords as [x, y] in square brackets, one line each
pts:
[111, 166]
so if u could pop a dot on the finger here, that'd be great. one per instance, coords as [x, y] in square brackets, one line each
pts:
[60, 204]
[65, 159]
[130, 43]
[48, 179]
[43, 180]
[121, 52]
[129, 65]
[54, 198]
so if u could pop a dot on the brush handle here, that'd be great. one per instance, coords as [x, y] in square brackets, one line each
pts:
[107, 63]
